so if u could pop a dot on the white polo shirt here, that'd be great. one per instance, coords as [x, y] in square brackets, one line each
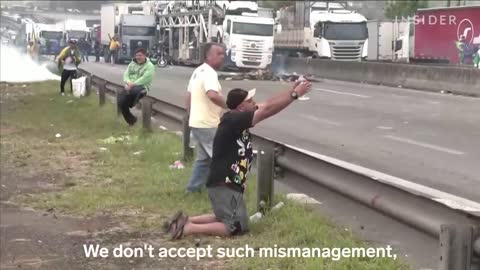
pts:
[203, 112]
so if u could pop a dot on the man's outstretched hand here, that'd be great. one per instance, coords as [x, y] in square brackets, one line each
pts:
[302, 87]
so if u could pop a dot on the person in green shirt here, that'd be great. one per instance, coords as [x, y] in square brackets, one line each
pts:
[476, 58]
[460, 44]
[138, 80]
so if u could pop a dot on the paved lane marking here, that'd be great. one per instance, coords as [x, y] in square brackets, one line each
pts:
[322, 120]
[426, 145]
[385, 128]
[341, 93]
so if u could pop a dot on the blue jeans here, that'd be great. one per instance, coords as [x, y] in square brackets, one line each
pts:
[201, 168]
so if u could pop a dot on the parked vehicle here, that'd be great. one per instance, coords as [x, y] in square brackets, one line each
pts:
[321, 30]
[132, 24]
[432, 34]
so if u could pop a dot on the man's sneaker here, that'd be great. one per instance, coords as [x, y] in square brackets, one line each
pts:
[63, 94]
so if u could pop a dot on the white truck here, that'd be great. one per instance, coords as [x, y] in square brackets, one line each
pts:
[51, 38]
[321, 30]
[132, 24]
[75, 29]
[248, 37]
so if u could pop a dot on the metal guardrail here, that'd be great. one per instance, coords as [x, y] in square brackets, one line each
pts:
[458, 231]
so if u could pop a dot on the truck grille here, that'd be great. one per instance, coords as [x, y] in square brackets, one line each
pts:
[252, 51]
[134, 44]
[250, 63]
[346, 52]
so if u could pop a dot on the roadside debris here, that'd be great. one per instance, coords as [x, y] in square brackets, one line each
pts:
[264, 75]
[256, 217]
[138, 153]
[58, 135]
[177, 165]
[302, 198]
[112, 139]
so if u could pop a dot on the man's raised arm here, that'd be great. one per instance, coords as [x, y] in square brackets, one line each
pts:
[279, 102]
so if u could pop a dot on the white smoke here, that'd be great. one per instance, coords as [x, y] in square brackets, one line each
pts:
[19, 67]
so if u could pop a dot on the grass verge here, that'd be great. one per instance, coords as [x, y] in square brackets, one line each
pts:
[107, 167]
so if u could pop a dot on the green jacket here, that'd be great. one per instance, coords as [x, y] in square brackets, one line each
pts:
[460, 45]
[64, 53]
[140, 74]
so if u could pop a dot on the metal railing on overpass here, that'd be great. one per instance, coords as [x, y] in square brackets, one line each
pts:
[458, 231]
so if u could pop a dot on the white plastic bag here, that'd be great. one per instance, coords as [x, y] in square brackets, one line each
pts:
[79, 86]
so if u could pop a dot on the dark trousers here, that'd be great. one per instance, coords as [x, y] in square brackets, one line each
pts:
[66, 74]
[97, 55]
[85, 55]
[128, 99]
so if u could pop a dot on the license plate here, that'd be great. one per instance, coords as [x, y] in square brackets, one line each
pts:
[252, 59]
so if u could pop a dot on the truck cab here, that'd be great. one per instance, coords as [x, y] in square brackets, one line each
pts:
[339, 34]
[248, 40]
[51, 39]
[321, 30]
[135, 31]
[133, 24]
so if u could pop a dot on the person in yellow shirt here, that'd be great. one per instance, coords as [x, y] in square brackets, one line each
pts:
[113, 50]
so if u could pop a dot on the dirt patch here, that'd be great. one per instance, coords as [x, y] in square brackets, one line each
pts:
[31, 238]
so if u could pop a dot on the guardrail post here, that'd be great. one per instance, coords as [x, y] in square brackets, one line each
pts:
[118, 92]
[88, 83]
[265, 176]
[476, 249]
[146, 113]
[101, 93]
[187, 151]
[456, 247]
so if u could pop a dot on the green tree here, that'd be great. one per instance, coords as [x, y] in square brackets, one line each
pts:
[404, 8]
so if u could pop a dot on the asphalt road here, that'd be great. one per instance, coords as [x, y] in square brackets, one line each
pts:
[427, 138]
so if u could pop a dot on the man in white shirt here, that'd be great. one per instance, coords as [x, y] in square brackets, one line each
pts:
[205, 104]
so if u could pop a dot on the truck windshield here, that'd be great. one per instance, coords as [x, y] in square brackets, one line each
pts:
[52, 35]
[138, 31]
[76, 34]
[252, 29]
[346, 31]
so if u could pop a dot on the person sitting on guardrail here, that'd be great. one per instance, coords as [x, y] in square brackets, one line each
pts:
[68, 61]
[231, 163]
[138, 80]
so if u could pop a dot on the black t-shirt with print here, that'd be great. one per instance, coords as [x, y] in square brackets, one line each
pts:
[232, 151]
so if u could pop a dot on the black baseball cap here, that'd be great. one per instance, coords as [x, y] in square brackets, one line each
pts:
[237, 95]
